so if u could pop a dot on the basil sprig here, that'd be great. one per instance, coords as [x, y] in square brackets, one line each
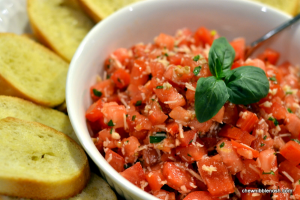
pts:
[243, 85]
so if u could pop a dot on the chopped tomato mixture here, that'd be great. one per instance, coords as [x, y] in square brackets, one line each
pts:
[143, 121]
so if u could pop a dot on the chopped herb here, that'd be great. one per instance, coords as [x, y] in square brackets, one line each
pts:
[161, 132]
[299, 181]
[197, 70]
[273, 78]
[111, 130]
[119, 80]
[159, 87]
[156, 138]
[289, 110]
[97, 93]
[289, 92]
[107, 66]
[133, 117]
[196, 58]
[296, 140]
[222, 145]
[274, 121]
[138, 103]
[126, 166]
[107, 76]
[127, 141]
[190, 141]
[110, 123]
[152, 99]
[265, 137]
[126, 115]
[262, 144]
[274, 153]
[271, 172]
[189, 155]
[166, 54]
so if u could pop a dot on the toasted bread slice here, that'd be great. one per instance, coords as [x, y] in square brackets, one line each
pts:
[97, 188]
[289, 7]
[100, 9]
[26, 110]
[31, 71]
[59, 24]
[40, 162]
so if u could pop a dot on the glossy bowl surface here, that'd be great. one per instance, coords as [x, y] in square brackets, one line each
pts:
[141, 22]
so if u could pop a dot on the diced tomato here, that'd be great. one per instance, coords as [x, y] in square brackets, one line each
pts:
[255, 63]
[296, 192]
[106, 136]
[188, 137]
[129, 147]
[231, 114]
[169, 96]
[291, 103]
[138, 122]
[200, 127]
[181, 114]
[274, 74]
[291, 80]
[219, 116]
[172, 128]
[175, 59]
[94, 111]
[284, 68]
[184, 36]
[135, 174]
[292, 123]
[150, 156]
[122, 55]
[157, 69]
[121, 78]
[289, 168]
[114, 113]
[269, 56]
[291, 151]
[247, 121]
[267, 161]
[250, 173]
[209, 142]
[178, 178]
[235, 133]
[163, 194]
[191, 153]
[138, 76]
[283, 186]
[102, 89]
[229, 156]
[239, 46]
[244, 150]
[156, 115]
[165, 41]
[203, 36]
[166, 145]
[115, 160]
[190, 94]
[200, 195]
[155, 179]
[214, 172]
[277, 109]
[251, 196]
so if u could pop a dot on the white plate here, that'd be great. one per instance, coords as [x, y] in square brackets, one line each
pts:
[13, 16]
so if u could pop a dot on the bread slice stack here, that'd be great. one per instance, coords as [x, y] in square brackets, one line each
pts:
[59, 24]
[26, 110]
[31, 71]
[40, 162]
[100, 9]
[97, 189]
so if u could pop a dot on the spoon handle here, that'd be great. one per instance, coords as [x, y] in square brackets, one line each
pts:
[270, 34]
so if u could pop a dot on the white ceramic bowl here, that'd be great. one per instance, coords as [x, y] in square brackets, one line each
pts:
[141, 22]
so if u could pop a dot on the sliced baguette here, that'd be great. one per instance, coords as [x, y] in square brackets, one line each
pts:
[59, 24]
[26, 110]
[39, 162]
[97, 189]
[31, 71]
[100, 9]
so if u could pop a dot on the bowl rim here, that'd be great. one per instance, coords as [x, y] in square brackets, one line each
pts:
[99, 160]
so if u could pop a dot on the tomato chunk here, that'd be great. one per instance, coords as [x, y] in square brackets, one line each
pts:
[250, 173]
[200, 195]
[115, 160]
[94, 111]
[267, 161]
[121, 78]
[155, 179]
[235, 133]
[214, 172]
[247, 121]
[135, 174]
[291, 151]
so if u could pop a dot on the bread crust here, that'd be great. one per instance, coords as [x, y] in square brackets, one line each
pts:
[90, 11]
[41, 36]
[46, 189]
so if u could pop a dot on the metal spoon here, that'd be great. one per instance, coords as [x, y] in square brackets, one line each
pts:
[254, 45]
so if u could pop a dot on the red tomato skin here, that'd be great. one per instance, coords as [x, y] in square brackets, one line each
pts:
[269, 56]
[292, 123]
[115, 160]
[114, 112]
[247, 121]
[165, 41]
[250, 173]
[289, 168]
[177, 177]
[203, 36]
[267, 161]
[291, 151]
[106, 87]
[130, 145]
[94, 111]
[137, 76]
[191, 153]
[239, 46]
[237, 134]
[121, 78]
[213, 179]
[156, 115]
[200, 195]
[135, 174]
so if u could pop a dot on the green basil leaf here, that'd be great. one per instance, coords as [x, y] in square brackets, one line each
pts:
[247, 85]
[220, 57]
[210, 96]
